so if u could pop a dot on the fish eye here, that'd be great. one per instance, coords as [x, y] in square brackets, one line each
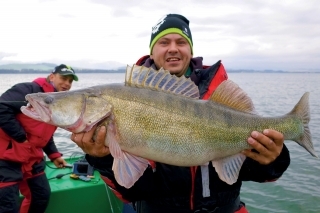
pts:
[48, 100]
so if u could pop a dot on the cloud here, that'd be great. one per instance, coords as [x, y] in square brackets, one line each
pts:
[247, 34]
[4, 55]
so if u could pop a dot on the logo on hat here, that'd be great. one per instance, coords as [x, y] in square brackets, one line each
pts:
[186, 32]
[156, 27]
[66, 70]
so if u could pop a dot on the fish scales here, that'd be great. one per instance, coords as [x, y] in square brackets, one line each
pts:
[215, 128]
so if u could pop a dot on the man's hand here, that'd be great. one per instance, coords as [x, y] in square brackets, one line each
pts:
[268, 144]
[59, 162]
[88, 145]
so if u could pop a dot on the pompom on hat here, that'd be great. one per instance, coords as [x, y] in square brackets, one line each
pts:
[171, 23]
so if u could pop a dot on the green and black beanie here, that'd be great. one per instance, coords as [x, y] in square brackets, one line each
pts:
[171, 23]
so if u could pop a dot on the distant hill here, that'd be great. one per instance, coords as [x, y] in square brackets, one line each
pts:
[40, 66]
[47, 67]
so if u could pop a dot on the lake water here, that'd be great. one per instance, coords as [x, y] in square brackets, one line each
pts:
[273, 94]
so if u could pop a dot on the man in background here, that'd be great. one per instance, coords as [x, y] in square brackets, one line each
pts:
[22, 143]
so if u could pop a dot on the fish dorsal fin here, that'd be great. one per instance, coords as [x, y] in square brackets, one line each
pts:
[230, 94]
[160, 80]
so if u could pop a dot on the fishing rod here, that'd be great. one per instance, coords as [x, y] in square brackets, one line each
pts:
[13, 101]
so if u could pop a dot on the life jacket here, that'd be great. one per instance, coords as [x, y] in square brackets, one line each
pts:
[38, 134]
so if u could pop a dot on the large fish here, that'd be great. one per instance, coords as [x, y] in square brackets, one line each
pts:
[157, 116]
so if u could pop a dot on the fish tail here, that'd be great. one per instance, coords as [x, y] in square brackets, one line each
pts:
[302, 110]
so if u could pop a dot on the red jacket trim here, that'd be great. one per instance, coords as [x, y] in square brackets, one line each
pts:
[54, 156]
[112, 187]
[142, 59]
[44, 84]
[3, 184]
[220, 76]
[242, 210]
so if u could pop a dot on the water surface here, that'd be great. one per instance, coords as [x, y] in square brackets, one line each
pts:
[273, 94]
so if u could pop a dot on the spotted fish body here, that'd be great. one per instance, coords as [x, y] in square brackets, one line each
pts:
[158, 116]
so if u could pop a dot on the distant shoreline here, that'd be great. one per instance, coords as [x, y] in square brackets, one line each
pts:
[6, 71]
[123, 71]
[34, 68]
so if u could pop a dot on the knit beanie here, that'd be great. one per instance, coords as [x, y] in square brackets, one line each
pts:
[171, 23]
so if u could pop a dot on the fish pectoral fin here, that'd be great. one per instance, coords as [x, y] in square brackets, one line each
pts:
[228, 168]
[128, 169]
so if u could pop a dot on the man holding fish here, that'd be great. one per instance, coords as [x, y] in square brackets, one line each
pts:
[168, 188]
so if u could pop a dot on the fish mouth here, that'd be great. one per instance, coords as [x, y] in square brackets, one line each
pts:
[37, 111]
[42, 113]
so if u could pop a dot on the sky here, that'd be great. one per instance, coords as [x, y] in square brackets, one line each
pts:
[247, 34]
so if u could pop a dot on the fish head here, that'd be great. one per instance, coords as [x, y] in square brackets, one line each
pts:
[76, 111]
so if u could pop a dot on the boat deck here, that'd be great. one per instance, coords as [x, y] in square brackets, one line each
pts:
[71, 195]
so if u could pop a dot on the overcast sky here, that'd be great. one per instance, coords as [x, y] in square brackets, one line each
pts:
[248, 34]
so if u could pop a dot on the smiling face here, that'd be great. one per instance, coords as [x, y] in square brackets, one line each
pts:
[172, 52]
[61, 82]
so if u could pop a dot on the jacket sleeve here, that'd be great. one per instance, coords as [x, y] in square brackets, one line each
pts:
[251, 170]
[10, 104]
[51, 150]
[140, 190]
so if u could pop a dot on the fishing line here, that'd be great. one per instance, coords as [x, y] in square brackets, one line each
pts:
[13, 101]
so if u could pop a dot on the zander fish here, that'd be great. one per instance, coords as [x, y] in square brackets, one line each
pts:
[157, 116]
